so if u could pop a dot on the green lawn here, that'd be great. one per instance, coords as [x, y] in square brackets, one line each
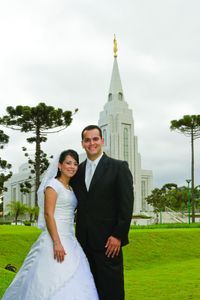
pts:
[163, 264]
[160, 264]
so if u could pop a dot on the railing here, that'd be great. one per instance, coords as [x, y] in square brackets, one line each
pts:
[177, 216]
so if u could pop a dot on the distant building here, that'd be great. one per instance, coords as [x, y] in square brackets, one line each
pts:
[120, 142]
[13, 192]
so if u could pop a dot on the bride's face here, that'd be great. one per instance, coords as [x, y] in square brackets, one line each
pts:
[69, 166]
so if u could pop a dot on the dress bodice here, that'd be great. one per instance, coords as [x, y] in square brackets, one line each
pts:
[65, 205]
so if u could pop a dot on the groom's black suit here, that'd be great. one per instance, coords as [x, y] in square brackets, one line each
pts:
[103, 211]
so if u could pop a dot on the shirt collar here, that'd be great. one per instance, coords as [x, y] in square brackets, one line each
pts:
[96, 161]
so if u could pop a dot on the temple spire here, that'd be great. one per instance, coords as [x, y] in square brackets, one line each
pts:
[115, 46]
[115, 91]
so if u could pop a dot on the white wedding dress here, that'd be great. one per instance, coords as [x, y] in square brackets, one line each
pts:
[41, 277]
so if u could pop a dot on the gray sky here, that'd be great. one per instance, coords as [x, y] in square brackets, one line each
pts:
[61, 52]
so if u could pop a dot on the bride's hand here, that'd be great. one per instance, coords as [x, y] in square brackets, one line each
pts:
[59, 252]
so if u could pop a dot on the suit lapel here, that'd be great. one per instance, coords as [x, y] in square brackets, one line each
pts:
[82, 175]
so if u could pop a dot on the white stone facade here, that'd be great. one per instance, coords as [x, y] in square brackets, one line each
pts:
[13, 192]
[120, 142]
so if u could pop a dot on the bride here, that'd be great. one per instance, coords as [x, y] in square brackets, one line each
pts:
[56, 267]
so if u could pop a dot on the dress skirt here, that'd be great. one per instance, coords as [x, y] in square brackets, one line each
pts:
[41, 277]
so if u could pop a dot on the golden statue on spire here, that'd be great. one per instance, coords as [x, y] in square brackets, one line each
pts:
[115, 46]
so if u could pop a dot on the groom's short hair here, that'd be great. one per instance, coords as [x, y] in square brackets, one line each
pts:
[91, 127]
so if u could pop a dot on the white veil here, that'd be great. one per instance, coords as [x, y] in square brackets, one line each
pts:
[50, 173]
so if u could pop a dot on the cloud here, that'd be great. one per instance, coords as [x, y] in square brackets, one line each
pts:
[61, 53]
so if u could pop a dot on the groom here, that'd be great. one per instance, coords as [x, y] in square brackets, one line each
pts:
[104, 189]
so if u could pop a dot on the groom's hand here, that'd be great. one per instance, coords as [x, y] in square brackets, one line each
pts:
[112, 246]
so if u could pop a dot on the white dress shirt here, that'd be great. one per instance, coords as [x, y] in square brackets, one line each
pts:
[90, 169]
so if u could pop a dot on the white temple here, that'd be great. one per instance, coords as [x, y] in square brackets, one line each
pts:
[120, 142]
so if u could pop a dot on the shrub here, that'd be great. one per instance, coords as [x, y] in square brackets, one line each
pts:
[5, 222]
[27, 223]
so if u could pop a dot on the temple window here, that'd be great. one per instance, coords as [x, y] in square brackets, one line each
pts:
[105, 137]
[126, 144]
[120, 96]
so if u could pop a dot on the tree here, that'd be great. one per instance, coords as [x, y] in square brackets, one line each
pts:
[1, 205]
[16, 208]
[157, 200]
[169, 186]
[33, 212]
[189, 125]
[177, 198]
[196, 196]
[26, 186]
[170, 195]
[40, 120]
[5, 167]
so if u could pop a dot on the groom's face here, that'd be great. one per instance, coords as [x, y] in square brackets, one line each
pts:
[92, 143]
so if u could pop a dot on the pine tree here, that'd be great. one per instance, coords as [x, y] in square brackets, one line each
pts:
[40, 120]
[189, 125]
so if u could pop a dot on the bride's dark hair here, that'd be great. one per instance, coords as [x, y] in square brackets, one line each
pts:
[63, 155]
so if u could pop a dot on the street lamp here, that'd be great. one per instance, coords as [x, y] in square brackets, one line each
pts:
[189, 203]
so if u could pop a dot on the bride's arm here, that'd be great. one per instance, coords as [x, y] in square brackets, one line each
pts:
[49, 208]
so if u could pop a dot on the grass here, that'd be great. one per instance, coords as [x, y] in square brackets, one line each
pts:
[163, 264]
[166, 225]
[160, 264]
[15, 243]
